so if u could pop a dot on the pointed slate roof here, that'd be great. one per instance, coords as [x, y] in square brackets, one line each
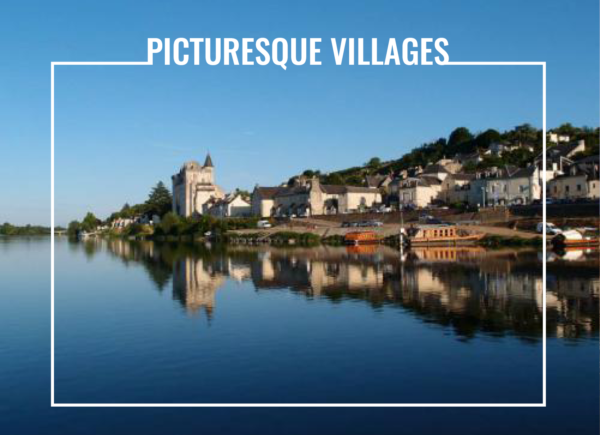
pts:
[208, 162]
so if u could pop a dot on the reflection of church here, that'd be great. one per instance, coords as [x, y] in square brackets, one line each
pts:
[194, 285]
[196, 281]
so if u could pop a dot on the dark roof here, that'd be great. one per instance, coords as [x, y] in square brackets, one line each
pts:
[467, 156]
[590, 172]
[463, 177]
[428, 180]
[208, 162]
[375, 180]
[332, 189]
[289, 191]
[589, 159]
[523, 172]
[267, 192]
[564, 149]
[435, 169]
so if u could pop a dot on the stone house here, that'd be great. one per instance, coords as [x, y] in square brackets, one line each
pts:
[455, 188]
[263, 201]
[231, 206]
[581, 181]
[310, 197]
[505, 186]
[416, 191]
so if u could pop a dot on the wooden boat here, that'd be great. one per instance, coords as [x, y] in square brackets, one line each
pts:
[362, 238]
[574, 239]
[440, 235]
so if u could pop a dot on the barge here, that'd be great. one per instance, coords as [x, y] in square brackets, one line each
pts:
[441, 235]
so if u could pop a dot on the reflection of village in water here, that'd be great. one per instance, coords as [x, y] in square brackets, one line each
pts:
[470, 290]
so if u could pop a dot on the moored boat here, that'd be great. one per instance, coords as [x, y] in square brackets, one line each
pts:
[362, 238]
[441, 235]
[574, 239]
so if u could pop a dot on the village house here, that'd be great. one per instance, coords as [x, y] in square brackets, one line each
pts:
[580, 182]
[568, 150]
[452, 166]
[455, 188]
[505, 186]
[415, 191]
[559, 159]
[557, 138]
[263, 201]
[468, 159]
[437, 171]
[194, 187]
[233, 205]
[308, 197]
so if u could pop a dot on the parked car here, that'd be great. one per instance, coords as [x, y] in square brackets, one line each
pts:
[263, 224]
[551, 229]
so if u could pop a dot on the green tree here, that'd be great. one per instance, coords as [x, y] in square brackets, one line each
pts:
[159, 201]
[243, 193]
[334, 178]
[459, 136]
[125, 211]
[567, 129]
[488, 137]
[73, 228]
[169, 223]
[90, 222]
[374, 163]
[7, 229]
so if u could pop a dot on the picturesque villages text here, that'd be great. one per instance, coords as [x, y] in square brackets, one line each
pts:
[281, 52]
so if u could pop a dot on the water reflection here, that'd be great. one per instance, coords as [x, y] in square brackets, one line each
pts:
[471, 290]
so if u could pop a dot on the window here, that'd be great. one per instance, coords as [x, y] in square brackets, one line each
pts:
[567, 189]
[579, 187]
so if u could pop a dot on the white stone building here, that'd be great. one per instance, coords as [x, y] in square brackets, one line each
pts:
[416, 191]
[310, 197]
[232, 205]
[506, 186]
[580, 182]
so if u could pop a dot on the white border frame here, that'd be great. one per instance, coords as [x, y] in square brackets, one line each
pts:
[297, 405]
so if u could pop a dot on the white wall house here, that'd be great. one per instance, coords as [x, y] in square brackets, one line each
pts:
[230, 206]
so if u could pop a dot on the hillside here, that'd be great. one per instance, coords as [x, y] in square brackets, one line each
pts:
[462, 142]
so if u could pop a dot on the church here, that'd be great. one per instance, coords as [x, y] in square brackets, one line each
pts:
[193, 187]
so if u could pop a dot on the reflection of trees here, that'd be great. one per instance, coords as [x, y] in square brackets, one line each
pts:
[471, 292]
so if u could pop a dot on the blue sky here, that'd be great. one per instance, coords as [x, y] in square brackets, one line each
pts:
[121, 129]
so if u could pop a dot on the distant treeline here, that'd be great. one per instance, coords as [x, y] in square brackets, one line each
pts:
[7, 229]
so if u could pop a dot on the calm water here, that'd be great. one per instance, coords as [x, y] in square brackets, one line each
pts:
[141, 322]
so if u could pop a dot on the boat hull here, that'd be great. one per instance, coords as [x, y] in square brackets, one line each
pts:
[362, 238]
[585, 243]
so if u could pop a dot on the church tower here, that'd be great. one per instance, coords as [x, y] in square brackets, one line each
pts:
[209, 169]
[193, 187]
